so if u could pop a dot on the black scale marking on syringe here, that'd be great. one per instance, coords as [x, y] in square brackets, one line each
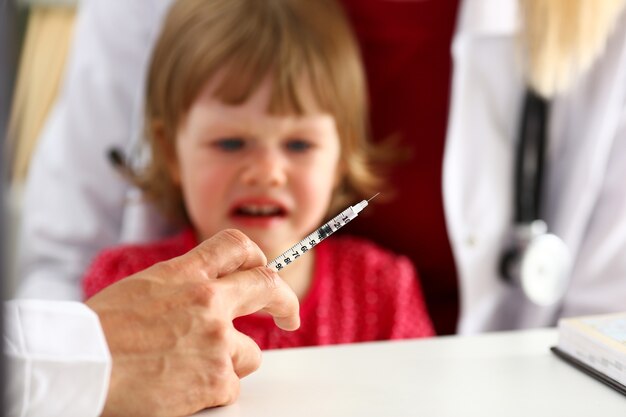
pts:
[324, 232]
[327, 229]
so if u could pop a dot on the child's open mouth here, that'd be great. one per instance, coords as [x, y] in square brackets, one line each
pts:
[258, 214]
[254, 210]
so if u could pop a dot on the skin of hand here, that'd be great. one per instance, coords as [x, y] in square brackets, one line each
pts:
[169, 328]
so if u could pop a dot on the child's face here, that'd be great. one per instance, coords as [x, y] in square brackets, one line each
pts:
[271, 177]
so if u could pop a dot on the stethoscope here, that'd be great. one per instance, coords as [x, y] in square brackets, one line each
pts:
[536, 260]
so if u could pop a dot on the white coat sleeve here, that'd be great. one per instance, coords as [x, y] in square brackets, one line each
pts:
[74, 202]
[58, 362]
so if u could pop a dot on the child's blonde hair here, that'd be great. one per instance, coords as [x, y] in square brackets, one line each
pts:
[253, 39]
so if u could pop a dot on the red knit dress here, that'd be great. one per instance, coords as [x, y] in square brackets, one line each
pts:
[359, 292]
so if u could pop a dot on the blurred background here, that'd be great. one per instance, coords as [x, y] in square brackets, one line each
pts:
[409, 100]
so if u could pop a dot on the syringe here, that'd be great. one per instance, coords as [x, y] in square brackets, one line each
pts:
[325, 230]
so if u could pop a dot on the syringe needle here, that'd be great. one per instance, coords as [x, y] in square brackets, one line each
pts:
[372, 197]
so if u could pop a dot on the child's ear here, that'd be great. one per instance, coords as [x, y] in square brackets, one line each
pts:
[166, 147]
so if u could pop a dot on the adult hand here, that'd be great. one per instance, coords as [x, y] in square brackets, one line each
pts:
[170, 332]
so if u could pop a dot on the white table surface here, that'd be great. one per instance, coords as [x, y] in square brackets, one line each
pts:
[497, 374]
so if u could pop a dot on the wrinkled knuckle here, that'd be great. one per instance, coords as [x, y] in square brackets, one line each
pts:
[205, 293]
[204, 255]
[238, 238]
[217, 331]
[222, 370]
[269, 277]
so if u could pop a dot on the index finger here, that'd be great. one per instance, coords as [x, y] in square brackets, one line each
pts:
[257, 289]
[223, 254]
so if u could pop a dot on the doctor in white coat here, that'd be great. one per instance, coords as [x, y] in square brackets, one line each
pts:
[75, 203]
[583, 200]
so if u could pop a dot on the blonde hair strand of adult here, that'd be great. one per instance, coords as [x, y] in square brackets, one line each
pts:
[563, 38]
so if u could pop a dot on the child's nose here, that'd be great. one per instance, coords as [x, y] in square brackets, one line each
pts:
[266, 169]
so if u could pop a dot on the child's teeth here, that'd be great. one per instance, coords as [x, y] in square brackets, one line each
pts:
[260, 210]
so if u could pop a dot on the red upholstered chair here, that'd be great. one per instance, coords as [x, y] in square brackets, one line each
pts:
[406, 49]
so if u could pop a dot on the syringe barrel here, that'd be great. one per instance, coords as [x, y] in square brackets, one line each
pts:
[316, 237]
[341, 219]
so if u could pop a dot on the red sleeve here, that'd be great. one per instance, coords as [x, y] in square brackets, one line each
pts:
[111, 266]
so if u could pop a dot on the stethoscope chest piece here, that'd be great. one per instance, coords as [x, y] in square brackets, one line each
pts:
[545, 269]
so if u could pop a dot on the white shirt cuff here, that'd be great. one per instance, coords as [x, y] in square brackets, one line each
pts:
[58, 360]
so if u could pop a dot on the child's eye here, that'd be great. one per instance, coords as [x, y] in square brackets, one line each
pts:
[298, 145]
[229, 144]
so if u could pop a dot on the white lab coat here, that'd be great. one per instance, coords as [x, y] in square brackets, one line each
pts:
[75, 203]
[57, 359]
[584, 198]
